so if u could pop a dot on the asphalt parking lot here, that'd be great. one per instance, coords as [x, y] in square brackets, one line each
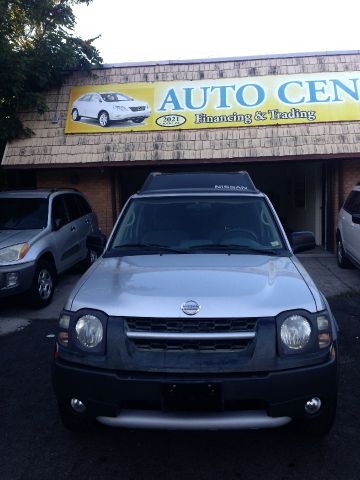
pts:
[329, 278]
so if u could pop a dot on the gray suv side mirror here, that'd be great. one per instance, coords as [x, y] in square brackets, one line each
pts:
[96, 242]
[302, 241]
[58, 223]
[355, 218]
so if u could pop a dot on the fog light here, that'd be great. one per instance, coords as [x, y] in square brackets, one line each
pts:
[12, 279]
[313, 405]
[77, 405]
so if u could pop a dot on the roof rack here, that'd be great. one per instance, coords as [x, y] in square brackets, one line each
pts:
[205, 182]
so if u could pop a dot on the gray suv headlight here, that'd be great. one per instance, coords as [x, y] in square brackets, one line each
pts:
[14, 252]
[295, 332]
[89, 331]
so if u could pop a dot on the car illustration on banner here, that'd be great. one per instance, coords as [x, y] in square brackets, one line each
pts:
[109, 107]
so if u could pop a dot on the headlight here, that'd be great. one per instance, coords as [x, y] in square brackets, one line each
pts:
[63, 334]
[14, 253]
[89, 331]
[119, 107]
[324, 332]
[295, 332]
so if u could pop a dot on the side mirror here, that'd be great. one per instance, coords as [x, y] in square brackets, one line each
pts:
[58, 223]
[356, 218]
[96, 242]
[302, 241]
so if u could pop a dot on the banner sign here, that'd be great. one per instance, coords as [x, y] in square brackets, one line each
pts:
[230, 102]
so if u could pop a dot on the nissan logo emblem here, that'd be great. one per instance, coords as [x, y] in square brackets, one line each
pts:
[190, 307]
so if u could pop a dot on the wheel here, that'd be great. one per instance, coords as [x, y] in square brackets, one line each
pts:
[138, 120]
[342, 261]
[43, 285]
[74, 422]
[321, 424]
[104, 119]
[75, 115]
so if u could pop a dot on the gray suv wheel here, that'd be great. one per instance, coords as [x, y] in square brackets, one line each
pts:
[43, 285]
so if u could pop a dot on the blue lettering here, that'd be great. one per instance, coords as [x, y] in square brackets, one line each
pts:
[223, 95]
[282, 93]
[188, 98]
[170, 99]
[241, 92]
[314, 90]
[339, 85]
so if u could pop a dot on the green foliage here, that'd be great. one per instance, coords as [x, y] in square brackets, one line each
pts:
[37, 51]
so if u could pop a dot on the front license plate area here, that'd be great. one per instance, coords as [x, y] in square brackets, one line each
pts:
[192, 397]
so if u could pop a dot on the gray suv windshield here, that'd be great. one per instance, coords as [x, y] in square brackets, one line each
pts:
[23, 213]
[197, 223]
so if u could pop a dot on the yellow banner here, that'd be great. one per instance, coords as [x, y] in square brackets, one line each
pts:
[230, 102]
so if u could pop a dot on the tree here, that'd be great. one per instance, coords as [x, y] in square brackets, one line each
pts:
[37, 51]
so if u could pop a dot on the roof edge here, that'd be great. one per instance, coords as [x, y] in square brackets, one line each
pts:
[228, 59]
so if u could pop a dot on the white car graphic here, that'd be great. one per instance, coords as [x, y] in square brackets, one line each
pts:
[108, 107]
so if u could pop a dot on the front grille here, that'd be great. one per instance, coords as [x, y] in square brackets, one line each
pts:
[137, 109]
[167, 329]
[200, 346]
[191, 325]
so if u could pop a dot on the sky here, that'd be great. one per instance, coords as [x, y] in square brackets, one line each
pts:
[150, 30]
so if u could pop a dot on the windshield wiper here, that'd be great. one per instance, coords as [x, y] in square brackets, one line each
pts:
[234, 247]
[153, 246]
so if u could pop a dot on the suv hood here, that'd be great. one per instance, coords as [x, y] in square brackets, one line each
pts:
[223, 285]
[13, 237]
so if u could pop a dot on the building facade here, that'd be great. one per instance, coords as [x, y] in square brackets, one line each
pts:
[291, 121]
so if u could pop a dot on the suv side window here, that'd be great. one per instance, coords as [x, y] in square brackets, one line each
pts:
[72, 207]
[59, 216]
[83, 205]
[352, 204]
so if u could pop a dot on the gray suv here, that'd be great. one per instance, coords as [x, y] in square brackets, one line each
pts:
[348, 231]
[197, 315]
[42, 233]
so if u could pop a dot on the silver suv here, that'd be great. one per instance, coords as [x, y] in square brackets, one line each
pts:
[348, 231]
[42, 233]
[197, 315]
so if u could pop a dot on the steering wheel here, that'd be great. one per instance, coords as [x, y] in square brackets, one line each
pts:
[243, 232]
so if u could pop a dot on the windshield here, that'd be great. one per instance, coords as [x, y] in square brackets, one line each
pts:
[23, 213]
[115, 97]
[188, 224]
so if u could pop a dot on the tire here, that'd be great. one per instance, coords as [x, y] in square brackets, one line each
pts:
[75, 115]
[342, 260]
[43, 285]
[74, 422]
[104, 119]
[321, 424]
[138, 120]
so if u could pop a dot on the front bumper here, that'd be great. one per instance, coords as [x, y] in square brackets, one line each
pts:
[119, 116]
[217, 401]
[25, 274]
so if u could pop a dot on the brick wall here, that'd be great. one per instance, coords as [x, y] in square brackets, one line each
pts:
[351, 175]
[93, 183]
